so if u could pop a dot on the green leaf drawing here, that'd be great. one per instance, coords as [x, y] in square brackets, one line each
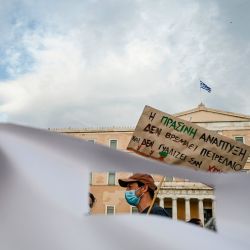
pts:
[163, 154]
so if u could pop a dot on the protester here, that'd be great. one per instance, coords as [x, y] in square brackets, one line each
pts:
[140, 193]
[211, 224]
[92, 200]
[196, 221]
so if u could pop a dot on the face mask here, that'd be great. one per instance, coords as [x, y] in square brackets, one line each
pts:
[131, 197]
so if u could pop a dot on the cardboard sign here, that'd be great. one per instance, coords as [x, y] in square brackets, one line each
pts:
[166, 138]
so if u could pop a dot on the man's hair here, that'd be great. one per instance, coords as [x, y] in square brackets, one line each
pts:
[195, 221]
[151, 191]
[92, 197]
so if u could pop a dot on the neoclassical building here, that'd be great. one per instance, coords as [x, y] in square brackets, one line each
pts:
[183, 199]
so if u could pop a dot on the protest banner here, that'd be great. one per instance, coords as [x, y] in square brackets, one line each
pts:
[169, 139]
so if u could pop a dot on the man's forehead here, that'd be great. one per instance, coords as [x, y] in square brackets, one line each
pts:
[130, 184]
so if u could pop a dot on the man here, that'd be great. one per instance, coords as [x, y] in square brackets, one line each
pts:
[211, 224]
[92, 200]
[196, 221]
[140, 193]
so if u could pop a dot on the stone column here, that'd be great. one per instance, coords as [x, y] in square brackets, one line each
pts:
[162, 202]
[201, 212]
[187, 209]
[174, 208]
[213, 208]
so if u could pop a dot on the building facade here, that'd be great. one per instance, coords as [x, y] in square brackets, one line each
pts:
[183, 199]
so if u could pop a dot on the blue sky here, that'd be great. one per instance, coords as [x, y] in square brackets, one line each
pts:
[98, 63]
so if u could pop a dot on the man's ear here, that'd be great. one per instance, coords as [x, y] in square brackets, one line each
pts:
[145, 188]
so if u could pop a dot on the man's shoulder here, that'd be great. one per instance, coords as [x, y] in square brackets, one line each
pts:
[158, 210]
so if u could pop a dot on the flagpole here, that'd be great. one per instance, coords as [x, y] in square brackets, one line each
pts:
[200, 92]
[204, 86]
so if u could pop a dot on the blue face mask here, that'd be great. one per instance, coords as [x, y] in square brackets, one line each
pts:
[131, 197]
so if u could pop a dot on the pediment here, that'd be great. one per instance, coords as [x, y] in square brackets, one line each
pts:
[204, 114]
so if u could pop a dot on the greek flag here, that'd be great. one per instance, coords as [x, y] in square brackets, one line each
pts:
[204, 86]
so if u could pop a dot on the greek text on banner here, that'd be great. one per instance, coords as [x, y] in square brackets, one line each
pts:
[166, 138]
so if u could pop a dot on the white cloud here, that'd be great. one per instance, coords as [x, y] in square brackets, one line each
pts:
[96, 63]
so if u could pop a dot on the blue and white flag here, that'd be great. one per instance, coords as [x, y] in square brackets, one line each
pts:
[204, 86]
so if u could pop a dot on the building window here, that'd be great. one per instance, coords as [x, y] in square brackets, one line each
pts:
[111, 178]
[134, 210]
[110, 210]
[239, 139]
[90, 178]
[91, 140]
[169, 178]
[113, 144]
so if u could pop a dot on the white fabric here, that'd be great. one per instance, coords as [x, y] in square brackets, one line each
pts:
[44, 194]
